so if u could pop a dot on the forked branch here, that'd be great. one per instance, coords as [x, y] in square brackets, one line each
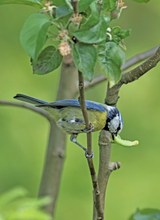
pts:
[132, 75]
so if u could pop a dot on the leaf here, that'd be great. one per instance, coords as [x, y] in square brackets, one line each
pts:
[111, 58]
[110, 5]
[84, 57]
[93, 18]
[62, 11]
[92, 35]
[141, 1]
[118, 34]
[34, 3]
[146, 214]
[84, 4]
[15, 204]
[11, 195]
[48, 60]
[58, 2]
[28, 213]
[34, 34]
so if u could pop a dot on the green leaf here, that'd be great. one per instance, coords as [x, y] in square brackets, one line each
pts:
[141, 1]
[11, 195]
[84, 4]
[62, 11]
[93, 17]
[15, 204]
[92, 35]
[58, 2]
[84, 57]
[118, 34]
[28, 213]
[34, 34]
[111, 58]
[34, 3]
[48, 60]
[110, 5]
[146, 214]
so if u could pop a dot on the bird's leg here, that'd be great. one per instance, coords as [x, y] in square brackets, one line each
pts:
[73, 138]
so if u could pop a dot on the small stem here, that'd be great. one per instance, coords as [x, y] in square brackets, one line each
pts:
[29, 107]
[139, 58]
[84, 112]
[74, 4]
[96, 191]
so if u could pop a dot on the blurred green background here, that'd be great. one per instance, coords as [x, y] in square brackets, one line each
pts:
[23, 134]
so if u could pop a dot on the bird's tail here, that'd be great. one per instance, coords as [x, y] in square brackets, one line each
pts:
[29, 99]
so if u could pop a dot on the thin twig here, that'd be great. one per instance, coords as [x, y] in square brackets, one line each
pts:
[75, 6]
[85, 114]
[28, 106]
[96, 191]
[139, 58]
[87, 85]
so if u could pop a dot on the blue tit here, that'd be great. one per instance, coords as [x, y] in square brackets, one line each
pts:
[68, 116]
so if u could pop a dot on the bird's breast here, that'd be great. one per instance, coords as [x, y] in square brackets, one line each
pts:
[72, 121]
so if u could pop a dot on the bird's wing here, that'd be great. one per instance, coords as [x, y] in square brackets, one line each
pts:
[29, 99]
[74, 103]
[61, 103]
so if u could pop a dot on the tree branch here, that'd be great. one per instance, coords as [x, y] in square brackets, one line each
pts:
[104, 161]
[96, 191]
[55, 152]
[139, 58]
[29, 107]
[129, 63]
[132, 75]
[105, 166]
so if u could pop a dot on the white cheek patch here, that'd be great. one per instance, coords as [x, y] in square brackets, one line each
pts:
[113, 124]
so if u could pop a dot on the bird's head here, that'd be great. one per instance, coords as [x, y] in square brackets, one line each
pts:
[114, 122]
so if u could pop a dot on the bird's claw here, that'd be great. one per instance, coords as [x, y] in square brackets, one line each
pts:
[87, 155]
[90, 129]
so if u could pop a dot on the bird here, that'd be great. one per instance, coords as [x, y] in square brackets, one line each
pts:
[68, 116]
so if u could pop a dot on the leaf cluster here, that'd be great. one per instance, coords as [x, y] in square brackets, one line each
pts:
[83, 30]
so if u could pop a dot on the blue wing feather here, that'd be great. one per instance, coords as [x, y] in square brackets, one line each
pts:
[75, 103]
